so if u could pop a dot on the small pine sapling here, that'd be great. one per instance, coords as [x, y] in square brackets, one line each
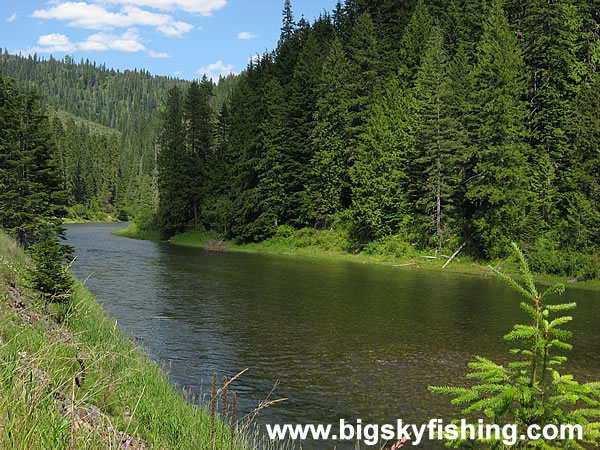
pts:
[49, 277]
[529, 390]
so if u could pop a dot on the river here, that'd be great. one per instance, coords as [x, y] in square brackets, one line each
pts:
[338, 339]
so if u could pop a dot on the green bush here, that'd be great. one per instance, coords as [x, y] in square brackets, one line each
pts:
[562, 263]
[530, 390]
[395, 246]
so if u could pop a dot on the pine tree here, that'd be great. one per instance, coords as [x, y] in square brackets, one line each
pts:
[499, 190]
[380, 180]
[175, 210]
[30, 185]
[442, 140]
[414, 38]
[197, 115]
[530, 390]
[274, 165]
[364, 57]
[302, 104]
[288, 25]
[329, 188]
[552, 33]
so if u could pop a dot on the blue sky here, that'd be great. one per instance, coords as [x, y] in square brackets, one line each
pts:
[183, 38]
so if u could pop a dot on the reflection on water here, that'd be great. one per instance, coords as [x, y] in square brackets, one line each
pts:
[344, 340]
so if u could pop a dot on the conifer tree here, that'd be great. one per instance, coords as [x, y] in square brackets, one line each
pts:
[175, 210]
[414, 39]
[441, 140]
[364, 57]
[552, 33]
[530, 390]
[302, 107]
[31, 197]
[498, 190]
[287, 28]
[329, 187]
[274, 164]
[197, 115]
[380, 179]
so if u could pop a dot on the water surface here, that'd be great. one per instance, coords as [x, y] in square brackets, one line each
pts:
[341, 339]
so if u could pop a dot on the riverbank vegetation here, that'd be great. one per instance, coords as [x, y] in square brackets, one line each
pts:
[332, 245]
[69, 375]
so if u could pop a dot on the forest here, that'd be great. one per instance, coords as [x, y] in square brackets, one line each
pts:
[430, 122]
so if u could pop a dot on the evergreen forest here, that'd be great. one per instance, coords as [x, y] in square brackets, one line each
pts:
[433, 123]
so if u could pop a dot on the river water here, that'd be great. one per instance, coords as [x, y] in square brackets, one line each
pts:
[339, 339]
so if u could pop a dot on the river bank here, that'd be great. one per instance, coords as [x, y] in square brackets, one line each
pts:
[328, 245]
[71, 378]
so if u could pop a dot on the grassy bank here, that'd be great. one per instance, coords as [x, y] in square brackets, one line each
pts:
[133, 231]
[47, 351]
[332, 245]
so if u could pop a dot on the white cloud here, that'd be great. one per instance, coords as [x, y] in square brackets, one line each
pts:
[12, 18]
[84, 15]
[246, 35]
[254, 58]
[52, 43]
[214, 70]
[127, 42]
[154, 54]
[204, 7]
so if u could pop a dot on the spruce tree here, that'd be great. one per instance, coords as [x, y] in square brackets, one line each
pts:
[175, 210]
[414, 39]
[529, 390]
[380, 179]
[197, 115]
[498, 189]
[31, 192]
[329, 187]
[441, 140]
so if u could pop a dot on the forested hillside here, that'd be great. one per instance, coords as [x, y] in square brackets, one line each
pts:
[431, 121]
[103, 171]
[426, 122]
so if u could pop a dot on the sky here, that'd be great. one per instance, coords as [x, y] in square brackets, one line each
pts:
[178, 38]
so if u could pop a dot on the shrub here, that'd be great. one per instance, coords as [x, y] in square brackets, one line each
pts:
[563, 263]
[530, 390]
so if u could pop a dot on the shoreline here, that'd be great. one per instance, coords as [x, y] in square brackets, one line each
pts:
[77, 379]
[466, 266]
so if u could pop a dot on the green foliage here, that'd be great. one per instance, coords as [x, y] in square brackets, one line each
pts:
[30, 185]
[380, 172]
[530, 390]
[443, 121]
[563, 263]
[48, 276]
[329, 188]
[498, 190]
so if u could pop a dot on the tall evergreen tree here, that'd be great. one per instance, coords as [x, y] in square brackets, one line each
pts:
[197, 115]
[552, 33]
[380, 178]
[499, 187]
[414, 39]
[175, 210]
[442, 140]
[31, 195]
[329, 188]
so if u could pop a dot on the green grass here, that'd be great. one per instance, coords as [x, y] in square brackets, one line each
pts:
[38, 363]
[133, 231]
